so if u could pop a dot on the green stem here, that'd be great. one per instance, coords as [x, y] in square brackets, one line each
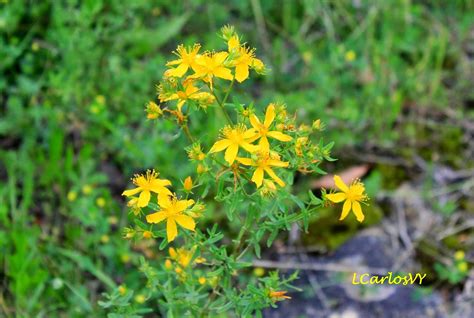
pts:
[221, 104]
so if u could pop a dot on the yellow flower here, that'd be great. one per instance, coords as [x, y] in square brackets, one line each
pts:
[104, 238]
[202, 280]
[352, 195]
[195, 152]
[462, 266]
[168, 264]
[187, 59]
[181, 256]
[153, 110]
[100, 202]
[172, 211]
[210, 65]
[278, 295]
[72, 196]
[189, 92]
[122, 290]
[188, 184]
[263, 129]
[245, 58]
[87, 189]
[264, 163]
[140, 298]
[258, 271]
[350, 56]
[459, 255]
[146, 184]
[232, 139]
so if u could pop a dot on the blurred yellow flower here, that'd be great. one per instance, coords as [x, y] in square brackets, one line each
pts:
[148, 183]
[172, 211]
[462, 266]
[87, 189]
[181, 256]
[187, 59]
[100, 202]
[147, 234]
[122, 290]
[202, 280]
[264, 163]
[168, 264]
[459, 255]
[140, 298]
[258, 271]
[263, 129]
[72, 196]
[212, 65]
[232, 139]
[350, 56]
[352, 195]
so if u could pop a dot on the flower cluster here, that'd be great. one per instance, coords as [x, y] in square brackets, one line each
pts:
[262, 153]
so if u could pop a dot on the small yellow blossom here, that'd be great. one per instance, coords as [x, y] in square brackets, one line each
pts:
[264, 163]
[300, 143]
[232, 139]
[140, 298]
[148, 183]
[187, 59]
[189, 92]
[113, 220]
[459, 255]
[72, 196]
[188, 184]
[104, 239]
[263, 129]
[87, 189]
[181, 256]
[195, 153]
[178, 270]
[122, 290]
[350, 56]
[125, 258]
[202, 280]
[133, 205]
[100, 202]
[147, 234]
[153, 110]
[172, 211]
[278, 295]
[35, 46]
[212, 65]
[258, 271]
[168, 264]
[352, 195]
[462, 266]
[244, 59]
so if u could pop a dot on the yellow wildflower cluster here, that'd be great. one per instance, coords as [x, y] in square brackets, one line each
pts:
[262, 158]
[171, 209]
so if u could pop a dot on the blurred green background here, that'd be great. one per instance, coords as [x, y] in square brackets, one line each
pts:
[392, 80]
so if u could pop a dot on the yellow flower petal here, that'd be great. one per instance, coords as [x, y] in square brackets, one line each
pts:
[245, 161]
[279, 136]
[241, 72]
[171, 229]
[340, 184]
[231, 153]
[264, 145]
[144, 198]
[164, 201]
[336, 197]
[130, 192]
[255, 122]
[179, 71]
[345, 210]
[156, 217]
[186, 221]
[358, 211]
[278, 163]
[272, 174]
[258, 177]
[269, 115]
[183, 205]
[224, 73]
[220, 145]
